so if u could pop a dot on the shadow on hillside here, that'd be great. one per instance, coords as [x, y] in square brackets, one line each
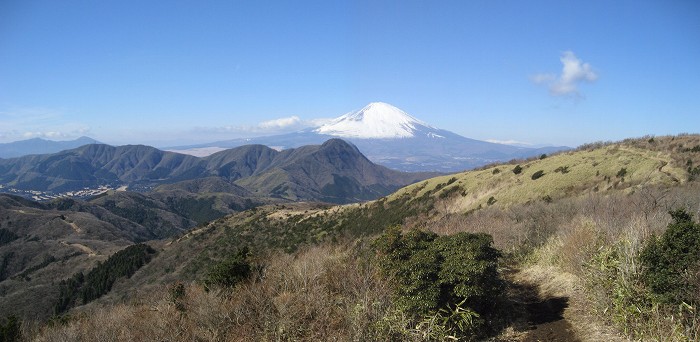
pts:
[547, 310]
[536, 317]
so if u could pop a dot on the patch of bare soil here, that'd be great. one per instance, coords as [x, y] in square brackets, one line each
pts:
[546, 321]
[538, 316]
[548, 306]
[89, 251]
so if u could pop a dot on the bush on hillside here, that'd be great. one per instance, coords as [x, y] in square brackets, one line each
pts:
[693, 173]
[230, 271]
[672, 261]
[537, 174]
[621, 173]
[7, 236]
[491, 201]
[10, 329]
[454, 277]
[517, 169]
[562, 169]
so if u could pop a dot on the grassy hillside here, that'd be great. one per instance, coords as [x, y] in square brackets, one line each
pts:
[448, 198]
[615, 167]
[571, 240]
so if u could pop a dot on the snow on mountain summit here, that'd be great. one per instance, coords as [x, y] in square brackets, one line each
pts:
[376, 120]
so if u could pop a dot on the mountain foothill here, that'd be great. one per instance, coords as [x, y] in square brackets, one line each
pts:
[46, 241]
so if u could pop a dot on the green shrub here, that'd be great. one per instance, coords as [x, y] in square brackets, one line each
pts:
[537, 174]
[696, 148]
[621, 173]
[562, 169]
[82, 289]
[10, 329]
[693, 173]
[454, 278]
[491, 201]
[517, 169]
[7, 236]
[230, 271]
[176, 294]
[672, 261]
[543, 156]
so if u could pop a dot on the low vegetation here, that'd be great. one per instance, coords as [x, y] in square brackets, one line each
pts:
[452, 279]
[671, 262]
[230, 271]
[10, 329]
[600, 243]
[82, 289]
[7, 236]
[537, 174]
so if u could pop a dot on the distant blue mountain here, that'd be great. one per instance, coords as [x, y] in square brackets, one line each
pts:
[41, 146]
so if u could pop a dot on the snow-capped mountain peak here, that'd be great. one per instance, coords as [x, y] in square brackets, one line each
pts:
[376, 120]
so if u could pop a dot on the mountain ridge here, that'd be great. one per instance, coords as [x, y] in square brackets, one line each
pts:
[391, 137]
[41, 146]
[271, 172]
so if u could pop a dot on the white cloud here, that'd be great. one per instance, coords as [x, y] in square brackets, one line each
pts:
[509, 142]
[281, 123]
[50, 135]
[319, 122]
[65, 132]
[274, 126]
[20, 123]
[574, 72]
[207, 134]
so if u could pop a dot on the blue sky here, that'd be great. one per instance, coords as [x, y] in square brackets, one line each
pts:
[180, 72]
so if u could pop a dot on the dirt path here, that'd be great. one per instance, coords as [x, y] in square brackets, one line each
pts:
[75, 227]
[549, 306]
[90, 252]
[540, 316]
[546, 321]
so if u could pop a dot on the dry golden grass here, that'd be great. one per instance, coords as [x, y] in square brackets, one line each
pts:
[586, 171]
[553, 283]
[325, 293]
[565, 235]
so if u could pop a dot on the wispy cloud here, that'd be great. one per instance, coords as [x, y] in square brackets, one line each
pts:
[20, 123]
[49, 135]
[574, 72]
[509, 142]
[281, 123]
[274, 126]
[319, 122]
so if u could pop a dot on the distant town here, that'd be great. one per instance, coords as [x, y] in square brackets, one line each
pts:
[42, 196]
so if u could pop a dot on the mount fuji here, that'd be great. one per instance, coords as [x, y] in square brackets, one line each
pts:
[393, 138]
[377, 120]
